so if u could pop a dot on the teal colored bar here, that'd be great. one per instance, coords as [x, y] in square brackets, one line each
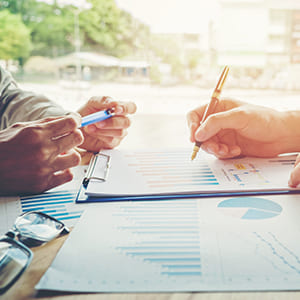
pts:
[182, 273]
[173, 259]
[182, 266]
[169, 253]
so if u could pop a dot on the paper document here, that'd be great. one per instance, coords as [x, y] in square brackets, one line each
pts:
[215, 244]
[10, 209]
[172, 172]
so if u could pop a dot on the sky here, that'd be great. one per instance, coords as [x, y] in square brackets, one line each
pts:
[172, 16]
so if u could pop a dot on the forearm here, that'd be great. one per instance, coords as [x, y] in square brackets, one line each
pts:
[17, 105]
[23, 106]
[291, 134]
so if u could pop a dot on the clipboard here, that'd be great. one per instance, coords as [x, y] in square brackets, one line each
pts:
[99, 172]
[103, 160]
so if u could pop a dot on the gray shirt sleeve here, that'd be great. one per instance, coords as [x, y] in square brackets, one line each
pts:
[17, 105]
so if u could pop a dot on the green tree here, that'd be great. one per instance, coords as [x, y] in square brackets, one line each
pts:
[107, 28]
[104, 28]
[51, 26]
[52, 33]
[134, 36]
[101, 25]
[14, 37]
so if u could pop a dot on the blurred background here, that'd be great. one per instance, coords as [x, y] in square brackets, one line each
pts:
[165, 55]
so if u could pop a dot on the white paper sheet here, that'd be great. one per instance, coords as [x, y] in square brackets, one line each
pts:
[212, 244]
[10, 209]
[173, 172]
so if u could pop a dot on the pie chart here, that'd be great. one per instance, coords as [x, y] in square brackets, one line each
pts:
[250, 208]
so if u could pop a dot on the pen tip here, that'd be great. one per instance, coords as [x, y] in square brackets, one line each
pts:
[195, 151]
[193, 155]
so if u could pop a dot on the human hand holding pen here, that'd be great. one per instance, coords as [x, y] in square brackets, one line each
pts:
[110, 132]
[242, 129]
[38, 155]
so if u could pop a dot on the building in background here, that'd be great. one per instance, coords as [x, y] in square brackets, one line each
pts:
[97, 66]
[242, 33]
[260, 39]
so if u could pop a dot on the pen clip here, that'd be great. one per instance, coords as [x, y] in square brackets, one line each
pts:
[111, 111]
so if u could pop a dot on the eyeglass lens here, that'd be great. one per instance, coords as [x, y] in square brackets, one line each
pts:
[13, 260]
[36, 226]
[32, 229]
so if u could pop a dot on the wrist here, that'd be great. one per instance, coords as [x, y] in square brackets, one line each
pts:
[291, 134]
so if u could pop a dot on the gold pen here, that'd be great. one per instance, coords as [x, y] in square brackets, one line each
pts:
[210, 108]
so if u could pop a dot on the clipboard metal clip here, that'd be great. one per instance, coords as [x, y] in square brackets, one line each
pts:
[102, 161]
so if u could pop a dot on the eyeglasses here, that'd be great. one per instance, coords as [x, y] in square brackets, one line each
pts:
[31, 229]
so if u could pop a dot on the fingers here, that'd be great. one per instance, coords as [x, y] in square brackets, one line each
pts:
[195, 116]
[110, 142]
[64, 133]
[62, 126]
[114, 127]
[121, 108]
[114, 133]
[193, 119]
[220, 150]
[101, 103]
[66, 161]
[233, 119]
[57, 173]
[59, 178]
[67, 142]
[116, 122]
[294, 180]
[124, 108]
[110, 132]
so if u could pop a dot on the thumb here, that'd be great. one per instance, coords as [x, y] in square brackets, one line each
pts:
[231, 119]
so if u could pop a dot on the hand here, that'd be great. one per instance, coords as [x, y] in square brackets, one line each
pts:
[36, 156]
[109, 133]
[295, 175]
[241, 129]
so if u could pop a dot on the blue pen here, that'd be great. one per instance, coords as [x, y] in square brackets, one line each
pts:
[97, 117]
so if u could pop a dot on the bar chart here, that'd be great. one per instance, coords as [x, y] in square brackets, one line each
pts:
[171, 173]
[165, 236]
[169, 169]
[58, 204]
[181, 245]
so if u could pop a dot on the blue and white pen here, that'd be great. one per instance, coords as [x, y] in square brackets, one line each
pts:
[97, 117]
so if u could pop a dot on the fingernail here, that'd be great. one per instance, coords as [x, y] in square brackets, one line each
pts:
[107, 99]
[119, 110]
[234, 152]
